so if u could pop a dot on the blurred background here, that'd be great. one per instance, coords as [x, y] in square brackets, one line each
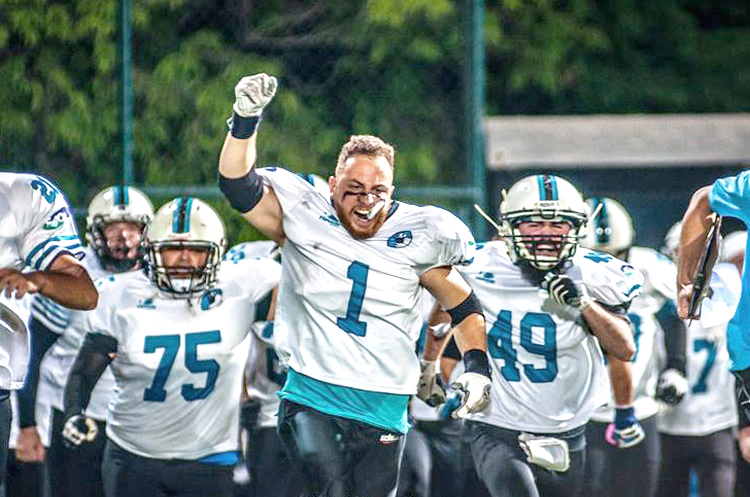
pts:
[643, 101]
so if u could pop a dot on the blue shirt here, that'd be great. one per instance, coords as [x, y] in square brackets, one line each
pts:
[731, 197]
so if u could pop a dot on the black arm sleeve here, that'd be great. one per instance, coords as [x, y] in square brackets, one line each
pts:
[675, 336]
[41, 339]
[91, 361]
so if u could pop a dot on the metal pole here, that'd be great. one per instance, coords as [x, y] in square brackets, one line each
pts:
[126, 91]
[475, 88]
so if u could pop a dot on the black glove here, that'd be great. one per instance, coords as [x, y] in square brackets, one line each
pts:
[563, 290]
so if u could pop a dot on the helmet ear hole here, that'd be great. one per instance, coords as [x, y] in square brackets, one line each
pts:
[542, 198]
[184, 223]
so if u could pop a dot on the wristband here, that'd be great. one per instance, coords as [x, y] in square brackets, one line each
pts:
[242, 127]
[475, 361]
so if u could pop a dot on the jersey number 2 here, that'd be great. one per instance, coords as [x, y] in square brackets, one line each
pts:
[170, 344]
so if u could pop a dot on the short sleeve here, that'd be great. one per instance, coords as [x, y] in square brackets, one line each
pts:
[452, 241]
[46, 220]
[289, 187]
[99, 320]
[731, 196]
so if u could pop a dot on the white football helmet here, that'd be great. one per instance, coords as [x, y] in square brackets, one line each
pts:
[611, 230]
[116, 203]
[542, 198]
[672, 241]
[184, 222]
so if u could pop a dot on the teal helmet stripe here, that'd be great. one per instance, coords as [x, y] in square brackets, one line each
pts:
[181, 215]
[602, 221]
[547, 187]
[120, 195]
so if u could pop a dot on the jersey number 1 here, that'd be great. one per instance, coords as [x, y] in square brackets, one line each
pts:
[170, 344]
[356, 272]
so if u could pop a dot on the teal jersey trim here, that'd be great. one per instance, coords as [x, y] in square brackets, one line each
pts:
[384, 410]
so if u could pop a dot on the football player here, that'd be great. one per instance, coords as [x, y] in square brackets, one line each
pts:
[355, 262]
[38, 236]
[175, 337]
[115, 220]
[698, 433]
[618, 463]
[549, 306]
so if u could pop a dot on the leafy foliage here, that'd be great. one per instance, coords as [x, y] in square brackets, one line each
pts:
[385, 67]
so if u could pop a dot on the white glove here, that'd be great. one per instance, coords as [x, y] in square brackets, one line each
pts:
[672, 387]
[253, 93]
[430, 388]
[79, 429]
[563, 290]
[476, 393]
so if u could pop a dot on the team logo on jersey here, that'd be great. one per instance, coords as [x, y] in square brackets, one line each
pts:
[627, 270]
[485, 276]
[211, 298]
[389, 438]
[400, 240]
[147, 303]
[57, 219]
[330, 219]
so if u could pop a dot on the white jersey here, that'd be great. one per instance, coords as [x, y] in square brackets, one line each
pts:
[349, 309]
[709, 404]
[179, 366]
[659, 276]
[264, 374]
[548, 372]
[53, 315]
[36, 226]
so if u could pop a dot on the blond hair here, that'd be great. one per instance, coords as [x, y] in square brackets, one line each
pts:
[368, 145]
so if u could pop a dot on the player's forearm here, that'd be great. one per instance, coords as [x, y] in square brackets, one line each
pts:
[71, 287]
[695, 225]
[92, 359]
[237, 156]
[614, 333]
[621, 376]
[470, 334]
[42, 339]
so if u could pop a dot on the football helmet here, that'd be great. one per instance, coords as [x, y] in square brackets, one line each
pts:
[672, 241]
[184, 223]
[113, 204]
[542, 198]
[611, 230]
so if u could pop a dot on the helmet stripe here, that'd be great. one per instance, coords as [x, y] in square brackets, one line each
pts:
[602, 221]
[547, 187]
[120, 195]
[181, 215]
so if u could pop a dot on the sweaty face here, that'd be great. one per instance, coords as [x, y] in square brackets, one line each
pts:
[123, 239]
[362, 191]
[183, 262]
[544, 237]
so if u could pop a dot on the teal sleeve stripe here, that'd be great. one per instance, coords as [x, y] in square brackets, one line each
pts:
[384, 410]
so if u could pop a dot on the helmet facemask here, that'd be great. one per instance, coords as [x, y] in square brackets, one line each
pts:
[542, 199]
[184, 223]
[111, 205]
[183, 281]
